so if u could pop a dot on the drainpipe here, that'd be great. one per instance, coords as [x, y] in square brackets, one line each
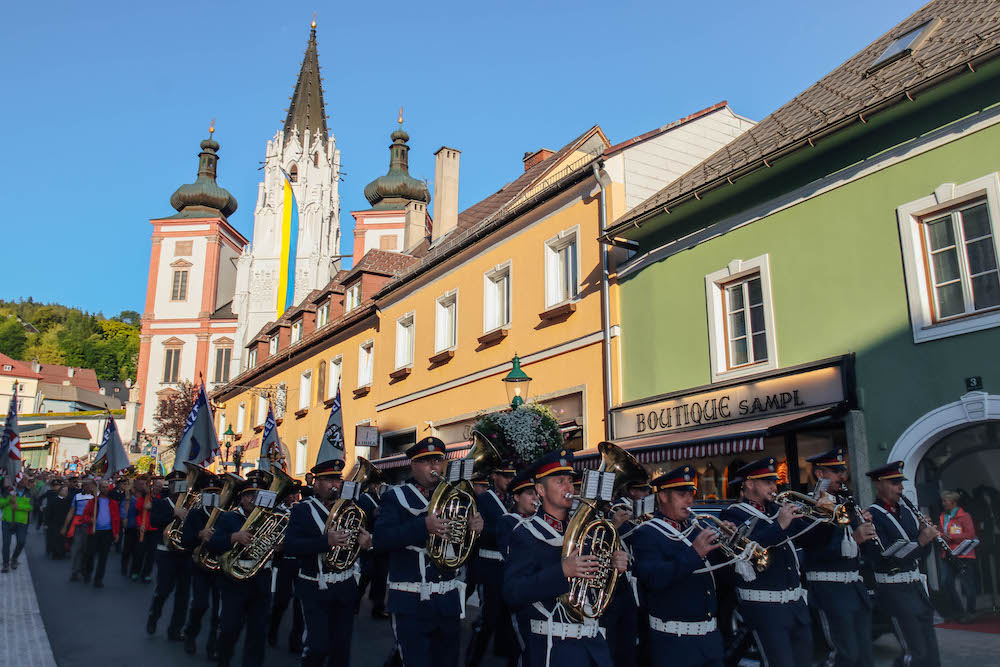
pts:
[602, 178]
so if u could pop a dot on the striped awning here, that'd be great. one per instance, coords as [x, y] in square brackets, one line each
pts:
[653, 455]
[453, 451]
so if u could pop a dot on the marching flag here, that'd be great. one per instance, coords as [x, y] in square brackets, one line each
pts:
[331, 447]
[10, 443]
[199, 444]
[270, 446]
[111, 457]
[289, 247]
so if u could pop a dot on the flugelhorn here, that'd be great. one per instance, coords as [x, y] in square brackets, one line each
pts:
[267, 530]
[838, 515]
[204, 558]
[733, 544]
[188, 500]
[347, 515]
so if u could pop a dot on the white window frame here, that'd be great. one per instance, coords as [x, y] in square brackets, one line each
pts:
[323, 315]
[919, 296]
[441, 323]
[222, 424]
[553, 267]
[352, 297]
[272, 344]
[491, 296]
[296, 331]
[301, 454]
[305, 389]
[252, 357]
[261, 409]
[241, 417]
[366, 363]
[335, 372]
[405, 340]
[715, 295]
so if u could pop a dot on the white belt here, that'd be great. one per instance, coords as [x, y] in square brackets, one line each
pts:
[780, 597]
[690, 628]
[434, 588]
[834, 577]
[564, 630]
[489, 554]
[901, 578]
[329, 577]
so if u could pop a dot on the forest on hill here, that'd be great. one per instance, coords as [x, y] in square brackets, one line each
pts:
[58, 334]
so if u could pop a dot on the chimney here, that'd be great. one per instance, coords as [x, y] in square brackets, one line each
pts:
[70, 371]
[36, 366]
[415, 230]
[445, 192]
[531, 159]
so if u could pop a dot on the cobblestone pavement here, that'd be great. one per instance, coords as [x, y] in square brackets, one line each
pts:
[22, 633]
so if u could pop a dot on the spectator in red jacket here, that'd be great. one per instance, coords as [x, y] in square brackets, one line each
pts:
[958, 580]
[103, 522]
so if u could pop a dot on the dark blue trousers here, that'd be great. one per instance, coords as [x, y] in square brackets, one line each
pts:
[913, 621]
[620, 622]
[427, 640]
[244, 603]
[204, 595]
[173, 575]
[673, 651]
[783, 632]
[329, 616]
[845, 615]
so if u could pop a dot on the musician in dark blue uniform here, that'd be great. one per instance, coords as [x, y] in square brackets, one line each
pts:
[374, 566]
[773, 604]
[833, 574]
[328, 597]
[898, 582]
[492, 505]
[525, 503]
[426, 601]
[286, 571]
[173, 568]
[675, 577]
[243, 602]
[204, 592]
[536, 574]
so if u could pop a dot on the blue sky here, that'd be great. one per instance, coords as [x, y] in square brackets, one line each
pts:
[105, 103]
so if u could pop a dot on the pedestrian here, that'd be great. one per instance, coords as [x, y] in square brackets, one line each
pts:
[76, 535]
[131, 561]
[56, 508]
[102, 522]
[958, 575]
[119, 494]
[16, 509]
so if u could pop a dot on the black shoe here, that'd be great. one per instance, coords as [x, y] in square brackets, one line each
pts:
[272, 636]
[190, 645]
[380, 614]
[151, 625]
[211, 653]
[13, 564]
[98, 584]
[295, 645]
[175, 635]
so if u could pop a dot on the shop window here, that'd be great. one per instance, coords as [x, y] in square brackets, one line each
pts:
[404, 341]
[562, 268]
[446, 322]
[950, 257]
[496, 298]
[741, 320]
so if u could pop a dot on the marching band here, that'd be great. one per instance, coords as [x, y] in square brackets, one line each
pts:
[565, 575]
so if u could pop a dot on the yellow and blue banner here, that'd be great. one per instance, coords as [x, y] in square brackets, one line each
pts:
[289, 247]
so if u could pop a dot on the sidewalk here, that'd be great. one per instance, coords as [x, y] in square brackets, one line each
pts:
[23, 640]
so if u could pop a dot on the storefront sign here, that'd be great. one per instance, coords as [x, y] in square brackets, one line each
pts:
[366, 436]
[765, 398]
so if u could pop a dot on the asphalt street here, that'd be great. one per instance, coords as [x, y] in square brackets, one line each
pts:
[88, 626]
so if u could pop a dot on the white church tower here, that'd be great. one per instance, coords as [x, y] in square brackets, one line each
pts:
[304, 154]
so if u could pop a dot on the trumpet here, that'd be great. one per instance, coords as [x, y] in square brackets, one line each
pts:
[838, 515]
[733, 544]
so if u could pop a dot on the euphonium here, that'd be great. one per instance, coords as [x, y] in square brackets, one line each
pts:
[838, 515]
[205, 559]
[189, 499]
[267, 529]
[347, 515]
[733, 544]
[455, 502]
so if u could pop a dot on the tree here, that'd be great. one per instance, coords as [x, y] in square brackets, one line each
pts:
[13, 340]
[130, 317]
[45, 347]
[172, 410]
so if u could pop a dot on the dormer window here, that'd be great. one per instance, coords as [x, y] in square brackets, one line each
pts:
[323, 315]
[352, 299]
[272, 344]
[252, 358]
[293, 174]
[296, 331]
[8, 367]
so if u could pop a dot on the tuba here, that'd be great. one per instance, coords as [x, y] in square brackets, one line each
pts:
[733, 544]
[187, 500]
[267, 529]
[347, 515]
[227, 497]
[455, 501]
[838, 515]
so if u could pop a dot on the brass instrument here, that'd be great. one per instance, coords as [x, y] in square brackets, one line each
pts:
[624, 465]
[733, 544]
[188, 500]
[455, 502]
[267, 529]
[838, 515]
[227, 497]
[347, 515]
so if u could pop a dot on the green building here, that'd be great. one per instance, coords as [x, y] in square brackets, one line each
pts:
[830, 277]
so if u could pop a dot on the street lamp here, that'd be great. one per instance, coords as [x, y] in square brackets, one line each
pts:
[227, 438]
[516, 383]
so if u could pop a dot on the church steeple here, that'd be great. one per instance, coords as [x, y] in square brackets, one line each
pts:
[306, 110]
[204, 197]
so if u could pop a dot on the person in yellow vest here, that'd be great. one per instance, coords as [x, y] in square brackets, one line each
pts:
[16, 508]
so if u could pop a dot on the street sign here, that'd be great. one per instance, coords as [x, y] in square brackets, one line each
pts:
[366, 436]
[974, 384]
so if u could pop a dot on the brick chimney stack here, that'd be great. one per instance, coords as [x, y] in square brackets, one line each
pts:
[531, 159]
[445, 191]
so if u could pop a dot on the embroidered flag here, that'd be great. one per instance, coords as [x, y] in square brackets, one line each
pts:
[10, 443]
[199, 444]
[332, 446]
[111, 456]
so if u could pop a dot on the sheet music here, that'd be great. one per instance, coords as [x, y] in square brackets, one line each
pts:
[900, 549]
[965, 547]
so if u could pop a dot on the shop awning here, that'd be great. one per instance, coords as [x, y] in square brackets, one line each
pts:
[735, 438]
[453, 451]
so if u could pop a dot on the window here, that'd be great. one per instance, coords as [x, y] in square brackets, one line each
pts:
[261, 410]
[741, 319]
[8, 367]
[496, 298]
[223, 357]
[950, 258]
[404, 341]
[387, 242]
[171, 364]
[179, 289]
[352, 299]
[293, 174]
[562, 268]
[184, 249]
[335, 372]
[222, 423]
[301, 455]
[320, 381]
[296, 331]
[252, 357]
[241, 415]
[272, 344]
[446, 322]
[366, 367]
[323, 315]
[904, 45]
[305, 389]
[315, 159]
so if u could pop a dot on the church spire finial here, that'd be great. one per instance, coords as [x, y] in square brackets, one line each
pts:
[306, 111]
[401, 118]
[313, 24]
[211, 129]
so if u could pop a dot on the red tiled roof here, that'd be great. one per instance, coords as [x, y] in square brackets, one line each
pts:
[381, 262]
[84, 378]
[20, 369]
